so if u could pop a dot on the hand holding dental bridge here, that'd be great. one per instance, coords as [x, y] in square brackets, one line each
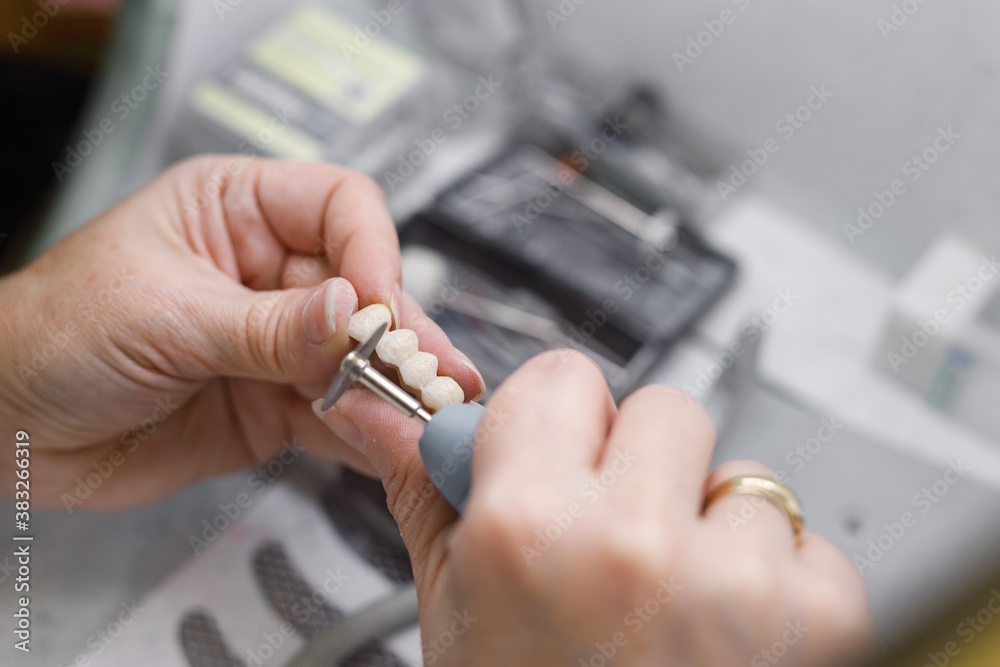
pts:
[178, 341]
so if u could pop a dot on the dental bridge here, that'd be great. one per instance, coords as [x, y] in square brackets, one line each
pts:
[449, 430]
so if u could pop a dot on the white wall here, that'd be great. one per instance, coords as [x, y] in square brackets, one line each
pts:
[940, 69]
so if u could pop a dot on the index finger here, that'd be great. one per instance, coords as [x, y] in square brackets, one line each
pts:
[543, 429]
[275, 208]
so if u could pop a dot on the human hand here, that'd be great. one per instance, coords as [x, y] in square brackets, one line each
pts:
[584, 541]
[185, 332]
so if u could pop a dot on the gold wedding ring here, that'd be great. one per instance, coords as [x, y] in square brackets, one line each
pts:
[771, 489]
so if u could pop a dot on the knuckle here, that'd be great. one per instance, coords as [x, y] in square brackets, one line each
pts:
[500, 522]
[363, 183]
[637, 555]
[406, 493]
[566, 361]
[205, 168]
[261, 332]
[660, 395]
[674, 401]
[750, 582]
[842, 611]
[197, 164]
[502, 531]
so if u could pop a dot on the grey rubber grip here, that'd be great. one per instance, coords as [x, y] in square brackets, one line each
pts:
[446, 447]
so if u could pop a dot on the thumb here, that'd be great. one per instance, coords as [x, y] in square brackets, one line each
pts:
[286, 336]
[390, 440]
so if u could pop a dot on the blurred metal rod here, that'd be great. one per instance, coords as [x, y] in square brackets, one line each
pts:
[380, 619]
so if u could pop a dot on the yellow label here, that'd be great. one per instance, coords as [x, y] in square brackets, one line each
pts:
[246, 119]
[349, 72]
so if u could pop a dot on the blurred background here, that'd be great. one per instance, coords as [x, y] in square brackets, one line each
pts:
[785, 208]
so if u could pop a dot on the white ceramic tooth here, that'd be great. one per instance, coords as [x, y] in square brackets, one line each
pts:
[364, 322]
[441, 391]
[397, 346]
[418, 370]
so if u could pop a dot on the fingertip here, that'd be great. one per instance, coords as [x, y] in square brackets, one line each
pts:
[390, 437]
[328, 310]
[478, 389]
[559, 398]
[341, 304]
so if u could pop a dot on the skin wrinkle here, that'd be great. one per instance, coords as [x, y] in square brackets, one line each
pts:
[601, 453]
[327, 226]
[249, 326]
[208, 247]
[144, 351]
[212, 245]
[250, 456]
[192, 223]
[195, 225]
[273, 243]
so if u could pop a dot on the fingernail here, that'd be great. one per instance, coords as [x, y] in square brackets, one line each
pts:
[341, 426]
[319, 319]
[482, 383]
[394, 301]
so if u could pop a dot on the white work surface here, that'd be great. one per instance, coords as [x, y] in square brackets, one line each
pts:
[821, 350]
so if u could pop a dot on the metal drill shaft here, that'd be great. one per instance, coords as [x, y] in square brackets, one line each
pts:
[356, 367]
[378, 383]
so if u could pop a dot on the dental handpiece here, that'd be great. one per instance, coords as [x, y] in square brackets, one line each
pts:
[446, 444]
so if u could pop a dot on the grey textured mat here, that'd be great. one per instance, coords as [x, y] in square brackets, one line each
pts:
[357, 507]
[203, 643]
[288, 594]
